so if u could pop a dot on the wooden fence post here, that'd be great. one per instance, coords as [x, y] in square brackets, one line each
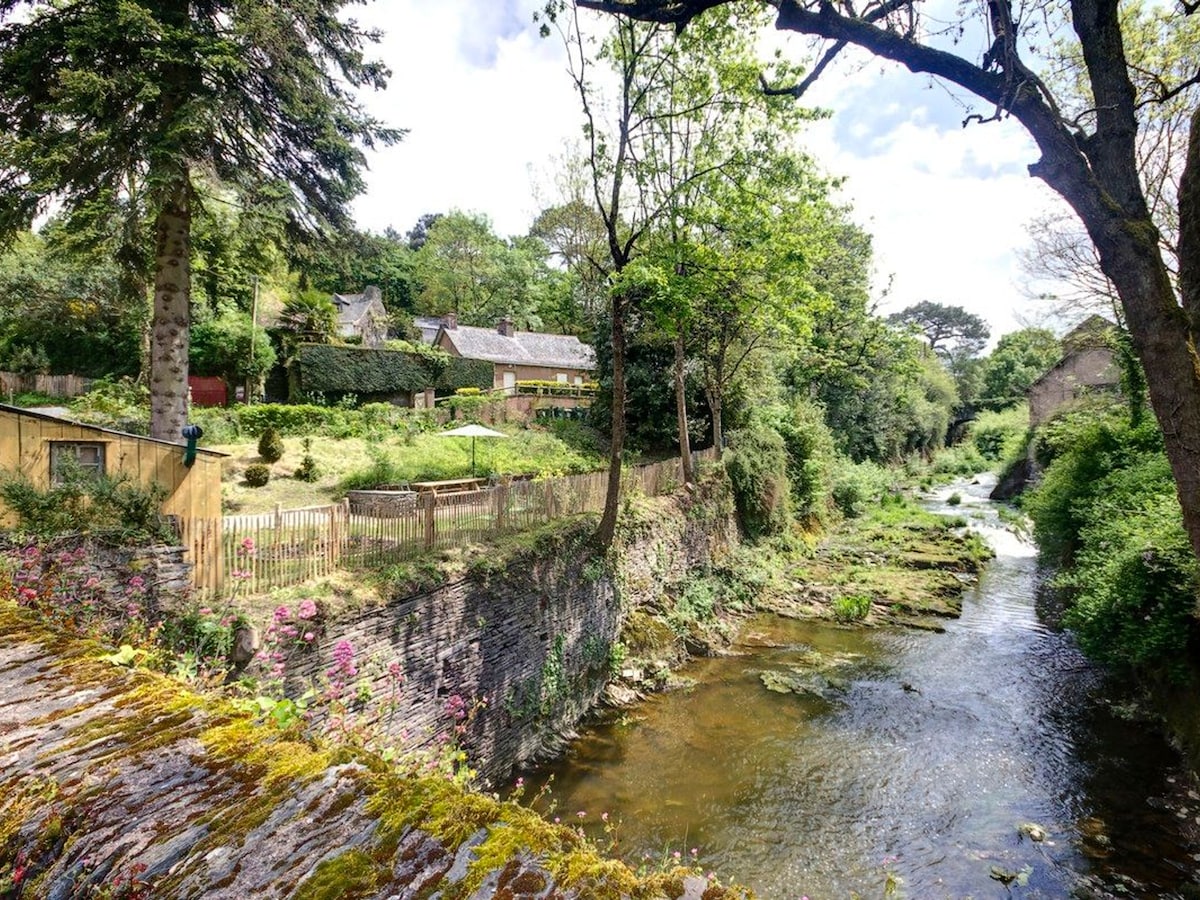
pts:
[500, 497]
[430, 519]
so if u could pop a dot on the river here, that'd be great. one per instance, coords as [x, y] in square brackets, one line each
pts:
[903, 757]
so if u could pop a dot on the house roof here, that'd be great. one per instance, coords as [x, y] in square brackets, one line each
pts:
[56, 419]
[351, 308]
[528, 348]
[428, 326]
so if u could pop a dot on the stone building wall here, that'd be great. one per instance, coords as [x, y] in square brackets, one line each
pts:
[528, 650]
[1084, 371]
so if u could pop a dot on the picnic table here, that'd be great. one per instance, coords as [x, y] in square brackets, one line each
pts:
[449, 485]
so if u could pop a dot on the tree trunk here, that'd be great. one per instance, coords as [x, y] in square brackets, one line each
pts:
[172, 314]
[715, 403]
[612, 498]
[685, 441]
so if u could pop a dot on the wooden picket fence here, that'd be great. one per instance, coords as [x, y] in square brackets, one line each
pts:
[290, 547]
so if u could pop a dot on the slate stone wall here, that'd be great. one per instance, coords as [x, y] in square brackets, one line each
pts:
[527, 652]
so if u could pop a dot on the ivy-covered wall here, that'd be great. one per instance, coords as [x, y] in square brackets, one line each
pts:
[339, 369]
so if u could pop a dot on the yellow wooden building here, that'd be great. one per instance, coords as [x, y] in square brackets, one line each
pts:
[32, 443]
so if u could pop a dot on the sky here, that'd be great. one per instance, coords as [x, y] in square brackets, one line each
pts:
[489, 109]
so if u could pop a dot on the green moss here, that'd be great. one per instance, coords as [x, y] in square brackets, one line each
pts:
[345, 877]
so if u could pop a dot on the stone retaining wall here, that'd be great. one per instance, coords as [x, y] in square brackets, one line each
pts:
[528, 650]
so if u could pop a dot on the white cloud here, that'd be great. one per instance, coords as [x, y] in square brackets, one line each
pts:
[479, 117]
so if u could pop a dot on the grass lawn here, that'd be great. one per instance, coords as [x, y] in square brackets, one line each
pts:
[428, 456]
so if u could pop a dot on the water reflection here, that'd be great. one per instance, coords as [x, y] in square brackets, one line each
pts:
[917, 753]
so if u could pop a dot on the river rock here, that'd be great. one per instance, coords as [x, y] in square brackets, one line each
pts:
[1032, 831]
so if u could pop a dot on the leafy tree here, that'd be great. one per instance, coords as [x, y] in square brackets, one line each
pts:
[126, 98]
[1088, 156]
[573, 235]
[352, 260]
[948, 329]
[309, 318]
[229, 347]
[464, 267]
[1158, 45]
[647, 161]
[1020, 359]
[62, 311]
[419, 233]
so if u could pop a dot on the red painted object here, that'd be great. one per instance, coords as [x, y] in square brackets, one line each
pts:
[207, 391]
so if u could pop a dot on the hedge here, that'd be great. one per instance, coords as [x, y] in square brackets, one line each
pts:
[326, 368]
[464, 373]
[340, 369]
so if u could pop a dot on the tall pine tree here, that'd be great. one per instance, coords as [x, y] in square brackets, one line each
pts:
[131, 98]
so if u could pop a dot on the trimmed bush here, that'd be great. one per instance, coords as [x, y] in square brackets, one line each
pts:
[270, 446]
[257, 475]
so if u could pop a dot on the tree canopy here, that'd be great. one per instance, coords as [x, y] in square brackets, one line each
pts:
[107, 101]
[1088, 154]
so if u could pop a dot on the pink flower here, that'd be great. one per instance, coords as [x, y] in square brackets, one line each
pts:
[205, 611]
[282, 614]
[309, 637]
[343, 661]
[306, 610]
[247, 546]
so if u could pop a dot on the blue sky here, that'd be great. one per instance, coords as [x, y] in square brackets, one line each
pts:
[490, 109]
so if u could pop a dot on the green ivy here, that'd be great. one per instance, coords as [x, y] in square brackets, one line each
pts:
[327, 368]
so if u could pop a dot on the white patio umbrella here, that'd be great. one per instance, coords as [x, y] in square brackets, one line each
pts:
[472, 431]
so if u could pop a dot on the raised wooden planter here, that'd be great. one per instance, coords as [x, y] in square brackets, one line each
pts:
[382, 503]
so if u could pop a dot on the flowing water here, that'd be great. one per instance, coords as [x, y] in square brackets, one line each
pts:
[904, 753]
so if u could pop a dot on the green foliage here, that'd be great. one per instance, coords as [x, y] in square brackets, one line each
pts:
[1020, 359]
[308, 469]
[1106, 509]
[222, 347]
[270, 445]
[757, 463]
[1079, 450]
[1000, 436]
[62, 309]
[810, 455]
[962, 460]
[257, 474]
[430, 457]
[383, 472]
[947, 329]
[954, 499]
[342, 369]
[469, 404]
[851, 607]
[83, 503]
[461, 373]
[858, 486]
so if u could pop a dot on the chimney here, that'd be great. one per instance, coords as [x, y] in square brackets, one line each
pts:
[505, 327]
[450, 321]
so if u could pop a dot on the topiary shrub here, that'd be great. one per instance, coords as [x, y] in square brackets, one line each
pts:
[307, 470]
[270, 446]
[257, 475]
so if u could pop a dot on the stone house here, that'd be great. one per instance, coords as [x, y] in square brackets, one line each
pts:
[1088, 366]
[362, 316]
[519, 355]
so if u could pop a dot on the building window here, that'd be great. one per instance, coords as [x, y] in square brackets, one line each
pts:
[561, 377]
[86, 457]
